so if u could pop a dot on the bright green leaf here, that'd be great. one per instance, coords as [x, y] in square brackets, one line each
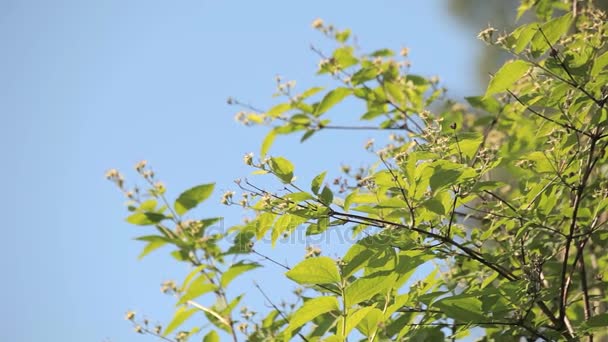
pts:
[599, 64]
[196, 288]
[279, 109]
[283, 168]
[146, 218]
[310, 310]
[506, 76]
[181, 315]
[311, 271]
[267, 142]
[354, 318]
[317, 182]
[331, 99]
[236, 270]
[370, 323]
[151, 246]
[211, 336]
[365, 288]
[549, 33]
[192, 197]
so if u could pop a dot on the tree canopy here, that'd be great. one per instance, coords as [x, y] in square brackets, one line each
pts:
[506, 196]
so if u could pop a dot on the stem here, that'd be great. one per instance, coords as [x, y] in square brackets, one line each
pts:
[565, 281]
[211, 312]
[344, 309]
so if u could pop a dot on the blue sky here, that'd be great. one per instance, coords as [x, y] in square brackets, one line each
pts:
[90, 85]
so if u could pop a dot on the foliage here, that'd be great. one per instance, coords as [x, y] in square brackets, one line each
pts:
[506, 195]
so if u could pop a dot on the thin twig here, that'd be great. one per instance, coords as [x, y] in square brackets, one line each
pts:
[276, 308]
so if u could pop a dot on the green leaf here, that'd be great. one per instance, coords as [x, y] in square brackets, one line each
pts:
[331, 99]
[196, 288]
[281, 225]
[364, 75]
[599, 64]
[383, 53]
[446, 174]
[263, 223]
[154, 243]
[600, 320]
[308, 134]
[550, 31]
[277, 110]
[395, 93]
[283, 168]
[343, 56]
[148, 205]
[211, 336]
[236, 270]
[358, 256]
[181, 315]
[354, 318]
[464, 308]
[489, 104]
[317, 182]
[326, 196]
[309, 311]
[310, 92]
[522, 35]
[312, 271]
[195, 271]
[299, 196]
[300, 119]
[267, 142]
[365, 288]
[146, 218]
[506, 76]
[488, 280]
[370, 323]
[192, 197]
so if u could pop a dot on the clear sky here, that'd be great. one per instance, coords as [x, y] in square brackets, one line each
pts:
[90, 85]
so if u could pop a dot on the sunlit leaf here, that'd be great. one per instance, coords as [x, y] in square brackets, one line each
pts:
[331, 99]
[181, 315]
[311, 309]
[283, 168]
[311, 271]
[236, 270]
[192, 197]
[145, 218]
[506, 76]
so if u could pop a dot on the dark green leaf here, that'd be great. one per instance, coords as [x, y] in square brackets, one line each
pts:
[326, 196]
[464, 308]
